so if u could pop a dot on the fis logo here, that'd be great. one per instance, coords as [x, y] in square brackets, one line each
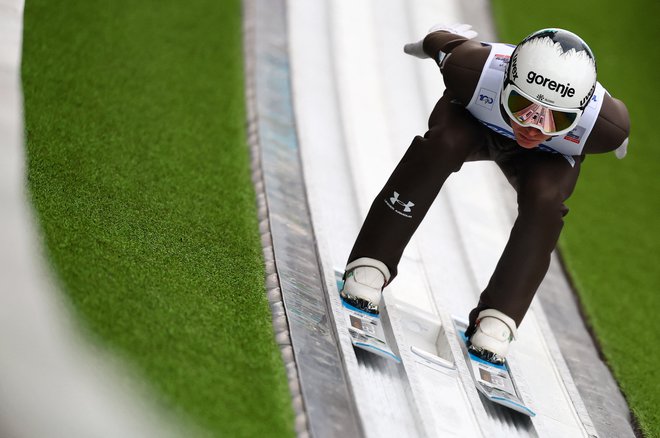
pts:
[395, 204]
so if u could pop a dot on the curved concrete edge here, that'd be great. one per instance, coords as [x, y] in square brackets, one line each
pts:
[52, 382]
[322, 399]
[272, 283]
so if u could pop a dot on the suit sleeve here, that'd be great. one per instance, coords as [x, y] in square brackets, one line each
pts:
[461, 62]
[611, 130]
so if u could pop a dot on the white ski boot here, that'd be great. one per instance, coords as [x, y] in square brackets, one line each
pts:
[364, 281]
[492, 336]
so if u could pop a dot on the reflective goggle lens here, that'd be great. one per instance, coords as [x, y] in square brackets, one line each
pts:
[527, 112]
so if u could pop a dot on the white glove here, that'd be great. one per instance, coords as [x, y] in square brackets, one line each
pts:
[622, 150]
[417, 49]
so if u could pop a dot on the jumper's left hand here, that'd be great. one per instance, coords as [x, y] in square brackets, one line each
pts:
[417, 49]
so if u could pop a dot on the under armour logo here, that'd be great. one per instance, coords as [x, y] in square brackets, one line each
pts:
[407, 207]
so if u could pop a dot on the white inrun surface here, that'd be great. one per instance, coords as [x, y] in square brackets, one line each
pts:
[359, 101]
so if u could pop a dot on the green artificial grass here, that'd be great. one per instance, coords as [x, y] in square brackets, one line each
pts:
[139, 173]
[611, 240]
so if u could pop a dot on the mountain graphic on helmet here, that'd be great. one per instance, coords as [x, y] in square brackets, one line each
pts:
[553, 67]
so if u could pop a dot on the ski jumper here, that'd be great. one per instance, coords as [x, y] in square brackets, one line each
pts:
[468, 124]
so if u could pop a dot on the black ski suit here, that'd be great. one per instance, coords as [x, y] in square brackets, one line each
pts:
[543, 180]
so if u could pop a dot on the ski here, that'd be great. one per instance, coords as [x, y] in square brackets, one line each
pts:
[365, 329]
[493, 381]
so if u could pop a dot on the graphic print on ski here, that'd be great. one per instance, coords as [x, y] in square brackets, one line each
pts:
[365, 328]
[495, 382]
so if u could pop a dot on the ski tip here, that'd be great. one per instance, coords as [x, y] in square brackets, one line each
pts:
[379, 351]
[513, 405]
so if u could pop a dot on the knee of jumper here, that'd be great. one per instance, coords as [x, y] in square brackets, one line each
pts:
[543, 199]
[442, 147]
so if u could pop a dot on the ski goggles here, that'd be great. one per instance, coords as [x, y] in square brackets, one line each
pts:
[525, 111]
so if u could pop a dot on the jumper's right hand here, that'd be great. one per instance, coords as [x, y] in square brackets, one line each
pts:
[417, 49]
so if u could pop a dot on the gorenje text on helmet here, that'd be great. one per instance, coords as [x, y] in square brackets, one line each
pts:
[553, 67]
[563, 90]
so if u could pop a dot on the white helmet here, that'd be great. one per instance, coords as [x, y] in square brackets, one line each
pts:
[549, 81]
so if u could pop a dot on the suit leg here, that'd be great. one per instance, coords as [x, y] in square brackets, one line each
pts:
[543, 182]
[406, 197]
